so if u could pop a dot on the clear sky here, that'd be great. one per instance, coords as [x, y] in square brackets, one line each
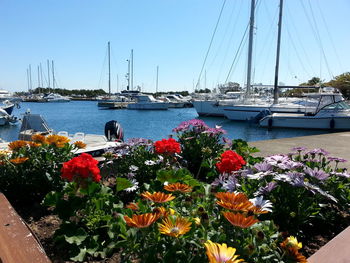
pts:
[174, 34]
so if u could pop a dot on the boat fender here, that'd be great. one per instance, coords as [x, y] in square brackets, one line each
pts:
[114, 131]
[269, 122]
[332, 124]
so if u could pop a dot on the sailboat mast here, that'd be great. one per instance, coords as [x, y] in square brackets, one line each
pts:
[157, 80]
[275, 90]
[30, 76]
[53, 77]
[250, 46]
[28, 79]
[38, 79]
[48, 73]
[41, 76]
[109, 68]
[132, 69]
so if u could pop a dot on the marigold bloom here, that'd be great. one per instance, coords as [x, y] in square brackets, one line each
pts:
[82, 166]
[15, 145]
[132, 206]
[229, 162]
[232, 198]
[178, 187]
[220, 253]
[141, 221]
[57, 140]
[167, 146]
[19, 160]
[175, 229]
[240, 220]
[80, 144]
[158, 197]
[38, 138]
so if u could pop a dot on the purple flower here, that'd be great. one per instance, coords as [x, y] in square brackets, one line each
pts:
[299, 149]
[343, 174]
[266, 189]
[258, 175]
[319, 174]
[214, 131]
[227, 141]
[220, 180]
[197, 125]
[230, 184]
[336, 159]
[319, 151]
[263, 167]
[289, 164]
[275, 159]
[138, 142]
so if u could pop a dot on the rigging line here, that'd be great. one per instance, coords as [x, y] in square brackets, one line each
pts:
[238, 50]
[103, 68]
[295, 49]
[211, 41]
[229, 41]
[222, 40]
[319, 37]
[330, 37]
[290, 19]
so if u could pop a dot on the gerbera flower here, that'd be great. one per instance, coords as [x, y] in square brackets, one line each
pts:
[80, 144]
[34, 144]
[244, 206]
[260, 206]
[232, 198]
[15, 145]
[57, 140]
[178, 187]
[240, 220]
[175, 229]
[19, 160]
[132, 206]
[220, 253]
[141, 221]
[158, 197]
[292, 241]
[38, 138]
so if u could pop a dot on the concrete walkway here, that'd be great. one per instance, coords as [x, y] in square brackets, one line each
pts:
[338, 144]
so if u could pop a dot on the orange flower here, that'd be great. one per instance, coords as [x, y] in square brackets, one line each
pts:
[158, 197]
[39, 138]
[231, 197]
[221, 253]
[132, 206]
[57, 140]
[296, 255]
[19, 160]
[240, 220]
[34, 144]
[175, 229]
[244, 206]
[178, 187]
[291, 246]
[257, 210]
[15, 145]
[80, 144]
[141, 221]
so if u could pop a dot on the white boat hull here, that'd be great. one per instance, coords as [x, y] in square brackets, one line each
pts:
[208, 108]
[148, 106]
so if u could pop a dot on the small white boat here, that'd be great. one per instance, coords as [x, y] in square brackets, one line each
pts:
[332, 113]
[6, 118]
[147, 102]
[54, 97]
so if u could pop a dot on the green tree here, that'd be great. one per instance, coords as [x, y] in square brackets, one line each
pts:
[341, 82]
[312, 82]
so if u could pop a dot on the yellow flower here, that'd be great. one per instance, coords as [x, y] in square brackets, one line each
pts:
[158, 197]
[292, 242]
[220, 253]
[39, 138]
[19, 160]
[175, 229]
[240, 220]
[178, 187]
[15, 145]
[141, 221]
[57, 140]
[291, 246]
[34, 144]
[197, 220]
[80, 145]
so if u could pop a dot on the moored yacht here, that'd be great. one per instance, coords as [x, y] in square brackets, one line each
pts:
[54, 97]
[147, 102]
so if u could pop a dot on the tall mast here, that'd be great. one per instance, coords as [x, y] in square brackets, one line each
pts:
[109, 68]
[48, 73]
[128, 75]
[30, 77]
[41, 76]
[250, 46]
[39, 79]
[53, 76]
[157, 79]
[275, 89]
[132, 69]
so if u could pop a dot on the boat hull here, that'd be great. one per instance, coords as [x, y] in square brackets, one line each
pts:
[208, 108]
[148, 106]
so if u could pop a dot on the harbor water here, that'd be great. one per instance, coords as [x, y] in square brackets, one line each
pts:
[85, 116]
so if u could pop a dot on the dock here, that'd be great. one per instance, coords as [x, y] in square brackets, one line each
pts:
[337, 144]
[113, 105]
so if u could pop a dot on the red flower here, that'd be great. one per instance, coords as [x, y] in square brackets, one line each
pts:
[165, 146]
[230, 161]
[82, 166]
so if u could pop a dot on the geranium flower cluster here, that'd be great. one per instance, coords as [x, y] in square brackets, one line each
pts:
[167, 146]
[230, 162]
[83, 166]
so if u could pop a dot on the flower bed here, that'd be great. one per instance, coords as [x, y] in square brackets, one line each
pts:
[199, 198]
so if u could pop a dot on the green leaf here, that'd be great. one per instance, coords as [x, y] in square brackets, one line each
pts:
[80, 257]
[122, 183]
[51, 198]
[76, 238]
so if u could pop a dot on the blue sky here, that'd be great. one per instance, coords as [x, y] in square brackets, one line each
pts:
[174, 34]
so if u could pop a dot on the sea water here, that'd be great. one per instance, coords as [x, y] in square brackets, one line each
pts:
[85, 116]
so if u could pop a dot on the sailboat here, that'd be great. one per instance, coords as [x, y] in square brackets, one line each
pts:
[251, 110]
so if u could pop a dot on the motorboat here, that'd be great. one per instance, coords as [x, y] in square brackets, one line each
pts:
[8, 106]
[54, 97]
[6, 118]
[6, 95]
[147, 102]
[332, 112]
[176, 102]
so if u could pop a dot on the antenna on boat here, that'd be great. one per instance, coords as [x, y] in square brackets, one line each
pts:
[250, 46]
[275, 89]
